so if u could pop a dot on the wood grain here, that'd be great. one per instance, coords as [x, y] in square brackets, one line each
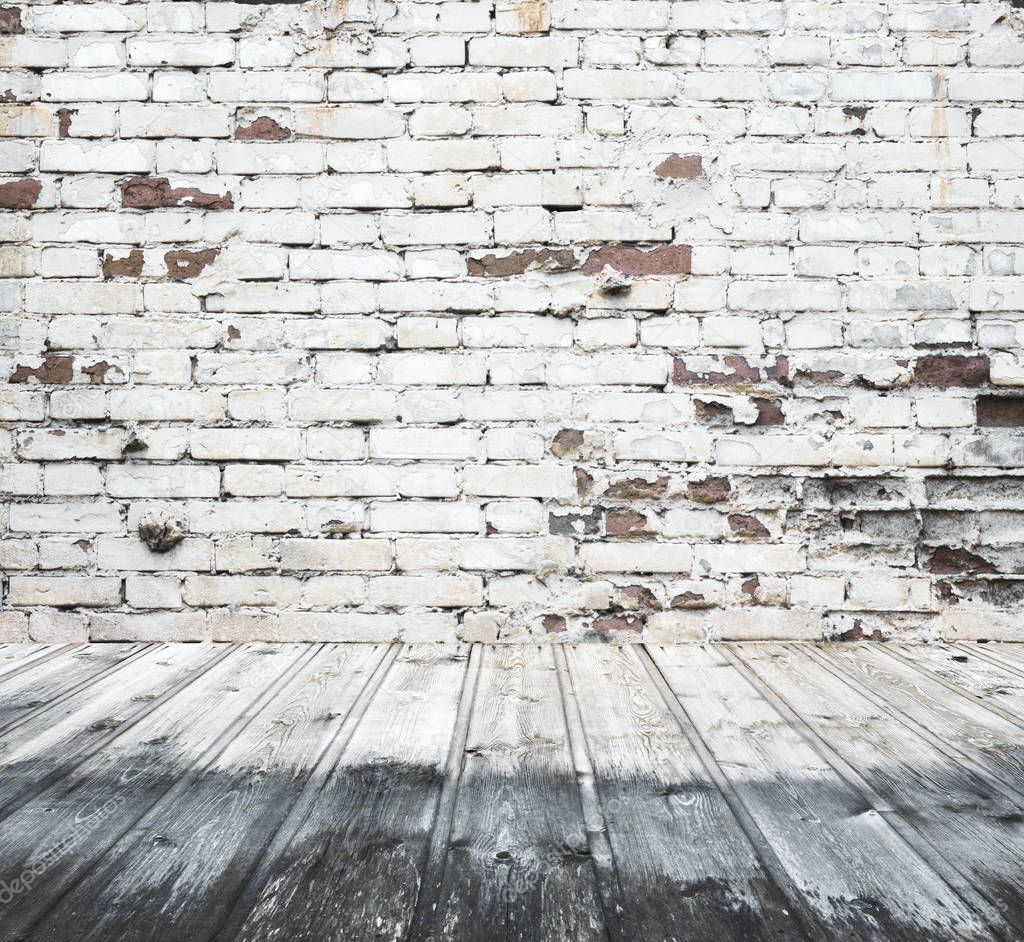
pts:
[93, 804]
[877, 886]
[945, 810]
[783, 792]
[656, 797]
[353, 864]
[181, 865]
[517, 858]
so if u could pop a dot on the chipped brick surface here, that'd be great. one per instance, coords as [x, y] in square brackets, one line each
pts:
[10, 21]
[263, 128]
[509, 320]
[157, 192]
[19, 194]
[127, 266]
[668, 260]
[680, 167]
[185, 263]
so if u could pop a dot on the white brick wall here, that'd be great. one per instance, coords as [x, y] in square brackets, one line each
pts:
[660, 319]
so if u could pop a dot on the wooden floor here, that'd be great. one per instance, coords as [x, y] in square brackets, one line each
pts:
[320, 792]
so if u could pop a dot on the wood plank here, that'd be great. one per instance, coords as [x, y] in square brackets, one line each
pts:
[23, 657]
[1009, 653]
[985, 652]
[31, 692]
[973, 837]
[349, 861]
[44, 747]
[961, 723]
[958, 691]
[64, 830]
[518, 864]
[14, 651]
[685, 868]
[858, 878]
[984, 679]
[177, 871]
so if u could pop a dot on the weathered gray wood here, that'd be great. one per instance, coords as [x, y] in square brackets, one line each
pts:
[985, 679]
[177, 871]
[98, 801]
[518, 864]
[961, 723]
[857, 876]
[351, 866]
[278, 792]
[959, 692]
[22, 657]
[684, 865]
[38, 751]
[973, 837]
[47, 685]
[1008, 654]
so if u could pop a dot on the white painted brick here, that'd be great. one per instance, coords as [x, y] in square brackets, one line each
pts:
[394, 331]
[338, 555]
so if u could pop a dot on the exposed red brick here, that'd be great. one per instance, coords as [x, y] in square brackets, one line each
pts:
[624, 522]
[946, 371]
[747, 525]
[750, 586]
[779, 370]
[233, 332]
[769, 412]
[10, 21]
[637, 488]
[636, 596]
[566, 440]
[734, 370]
[20, 194]
[97, 372]
[54, 370]
[64, 116]
[264, 128]
[711, 411]
[950, 559]
[609, 623]
[553, 624]
[1000, 412]
[128, 267]
[516, 263]
[157, 192]
[857, 633]
[584, 482]
[824, 377]
[709, 491]
[184, 263]
[666, 260]
[680, 167]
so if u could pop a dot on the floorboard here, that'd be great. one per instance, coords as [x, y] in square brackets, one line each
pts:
[507, 792]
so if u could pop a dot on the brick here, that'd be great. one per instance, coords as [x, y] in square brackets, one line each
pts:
[83, 591]
[336, 555]
[633, 321]
[1000, 412]
[637, 557]
[670, 260]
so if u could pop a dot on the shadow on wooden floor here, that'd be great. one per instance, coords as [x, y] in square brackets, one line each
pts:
[332, 791]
